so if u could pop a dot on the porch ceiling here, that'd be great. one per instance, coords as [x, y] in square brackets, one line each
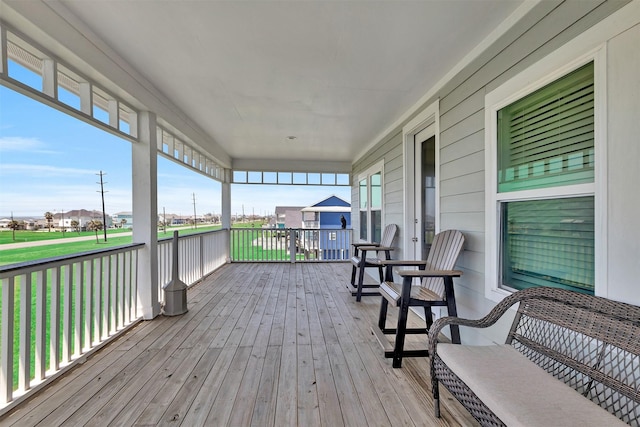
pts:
[247, 75]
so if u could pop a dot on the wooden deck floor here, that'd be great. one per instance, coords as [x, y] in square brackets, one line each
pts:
[261, 345]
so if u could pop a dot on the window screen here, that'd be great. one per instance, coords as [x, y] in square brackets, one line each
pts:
[546, 139]
[549, 243]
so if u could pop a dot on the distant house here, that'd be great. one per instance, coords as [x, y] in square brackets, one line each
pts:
[288, 216]
[327, 213]
[23, 223]
[64, 219]
[322, 222]
[123, 219]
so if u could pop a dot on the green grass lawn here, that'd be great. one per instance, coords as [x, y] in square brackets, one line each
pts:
[6, 236]
[58, 248]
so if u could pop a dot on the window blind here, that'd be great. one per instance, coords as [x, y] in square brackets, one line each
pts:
[549, 243]
[547, 138]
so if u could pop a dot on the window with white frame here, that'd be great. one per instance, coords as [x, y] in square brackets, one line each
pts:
[370, 204]
[541, 183]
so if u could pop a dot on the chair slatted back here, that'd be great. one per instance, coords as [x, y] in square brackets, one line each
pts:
[388, 235]
[445, 250]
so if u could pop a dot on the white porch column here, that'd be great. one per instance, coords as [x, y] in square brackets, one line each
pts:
[226, 200]
[145, 213]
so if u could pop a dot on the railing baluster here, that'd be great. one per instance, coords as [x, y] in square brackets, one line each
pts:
[54, 320]
[6, 340]
[134, 284]
[201, 259]
[98, 313]
[79, 298]
[24, 371]
[105, 279]
[67, 277]
[119, 289]
[113, 286]
[126, 288]
[88, 304]
[41, 332]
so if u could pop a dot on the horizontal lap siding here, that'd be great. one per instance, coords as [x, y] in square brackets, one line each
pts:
[546, 27]
[462, 115]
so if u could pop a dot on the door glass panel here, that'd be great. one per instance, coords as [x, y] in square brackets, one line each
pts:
[428, 183]
[363, 225]
[376, 224]
[363, 194]
[376, 190]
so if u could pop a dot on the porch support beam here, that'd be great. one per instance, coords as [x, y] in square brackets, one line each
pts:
[145, 213]
[50, 78]
[226, 200]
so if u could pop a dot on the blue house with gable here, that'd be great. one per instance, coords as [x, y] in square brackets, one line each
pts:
[323, 223]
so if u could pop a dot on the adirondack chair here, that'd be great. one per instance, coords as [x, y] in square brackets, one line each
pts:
[361, 261]
[436, 289]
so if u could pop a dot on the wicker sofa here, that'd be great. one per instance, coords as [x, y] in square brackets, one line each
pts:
[569, 360]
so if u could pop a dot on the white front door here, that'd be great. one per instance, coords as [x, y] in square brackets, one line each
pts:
[421, 140]
[425, 188]
[424, 192]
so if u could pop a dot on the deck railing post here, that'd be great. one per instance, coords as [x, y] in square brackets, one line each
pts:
[202, 237]
[293, 252]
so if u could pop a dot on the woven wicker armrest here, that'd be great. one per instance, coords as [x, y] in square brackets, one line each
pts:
[484, 322]
[583, 341]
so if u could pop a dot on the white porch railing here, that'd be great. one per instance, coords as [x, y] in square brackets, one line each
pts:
[57, 310]
[198, 255]
[278, 244]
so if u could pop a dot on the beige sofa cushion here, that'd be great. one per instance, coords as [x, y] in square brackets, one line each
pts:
[518, 391]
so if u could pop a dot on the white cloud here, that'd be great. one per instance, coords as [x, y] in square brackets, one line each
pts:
[43, 170]
[18, 143]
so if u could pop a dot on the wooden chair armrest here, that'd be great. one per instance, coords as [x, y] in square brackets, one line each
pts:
[377, 248]
[429, 273]
[405, 263]
[358, 245]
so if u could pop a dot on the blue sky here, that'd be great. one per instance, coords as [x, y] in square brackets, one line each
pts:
[49, 161]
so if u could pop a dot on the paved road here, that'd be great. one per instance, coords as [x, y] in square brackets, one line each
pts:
[74, 239]
[54, 241]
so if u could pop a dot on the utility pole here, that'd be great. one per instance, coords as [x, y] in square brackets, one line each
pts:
[63, 227]
[164, 222]
[195, 218]
[104, 215]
